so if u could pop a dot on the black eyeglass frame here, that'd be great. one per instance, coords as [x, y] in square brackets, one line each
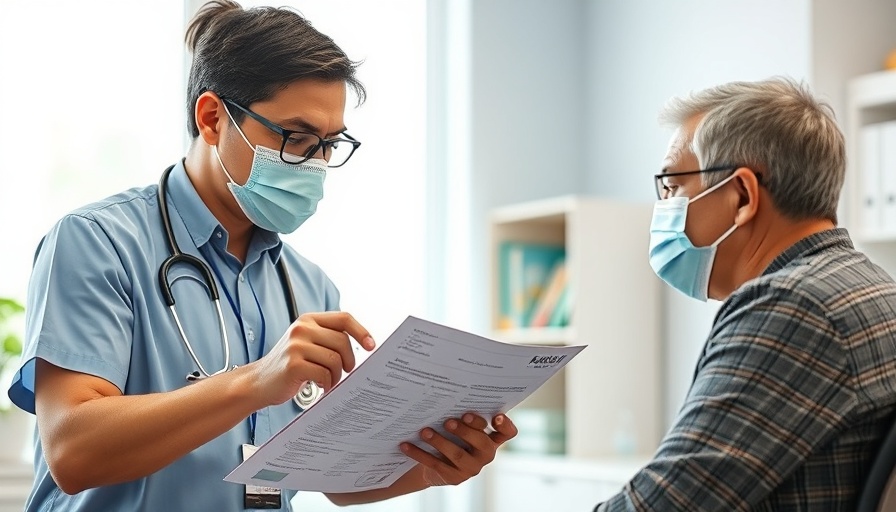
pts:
[322, 143]
[658, 186]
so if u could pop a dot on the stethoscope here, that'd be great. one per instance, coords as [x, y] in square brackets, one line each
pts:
[309, 392]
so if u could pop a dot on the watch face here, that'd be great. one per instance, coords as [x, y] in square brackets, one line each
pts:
[308, 394]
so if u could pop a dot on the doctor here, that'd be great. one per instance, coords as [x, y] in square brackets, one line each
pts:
[147, 391]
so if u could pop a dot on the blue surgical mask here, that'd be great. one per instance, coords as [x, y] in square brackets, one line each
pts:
[672, 255]
[278, 196]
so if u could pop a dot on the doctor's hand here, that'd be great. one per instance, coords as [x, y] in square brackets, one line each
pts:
[457, 463]
[314, 348]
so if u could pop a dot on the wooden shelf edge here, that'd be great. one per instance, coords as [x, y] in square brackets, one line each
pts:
[551, 207]
[873, 89]
[564, 465]
[551, 336]
[872, 237]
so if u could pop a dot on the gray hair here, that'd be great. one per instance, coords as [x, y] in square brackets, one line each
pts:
[777, 128]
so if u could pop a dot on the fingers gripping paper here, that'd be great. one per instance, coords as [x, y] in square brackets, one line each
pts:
[423, 374]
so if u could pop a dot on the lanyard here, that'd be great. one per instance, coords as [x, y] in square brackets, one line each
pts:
[238, 312]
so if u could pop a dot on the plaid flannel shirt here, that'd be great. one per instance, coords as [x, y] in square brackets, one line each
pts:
[792, 394]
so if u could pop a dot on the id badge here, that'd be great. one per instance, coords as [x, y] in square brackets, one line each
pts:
[256, 496]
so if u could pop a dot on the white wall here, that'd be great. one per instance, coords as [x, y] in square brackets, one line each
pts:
[848, 39]
[528, 81]
[642, 52]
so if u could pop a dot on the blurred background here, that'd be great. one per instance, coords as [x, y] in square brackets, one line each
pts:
[473, 106]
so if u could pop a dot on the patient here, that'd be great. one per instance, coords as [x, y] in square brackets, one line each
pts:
[796, 385]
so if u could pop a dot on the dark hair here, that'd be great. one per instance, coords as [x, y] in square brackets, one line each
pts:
[247, 55]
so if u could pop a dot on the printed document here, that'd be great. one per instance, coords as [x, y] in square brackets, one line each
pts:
[422, 375]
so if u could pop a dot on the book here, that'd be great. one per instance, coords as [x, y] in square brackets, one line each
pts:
[524, 269]
[541, 431]
[550, 296]
[563, 310]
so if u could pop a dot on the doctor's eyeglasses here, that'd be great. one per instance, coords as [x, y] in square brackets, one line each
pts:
[297, 146]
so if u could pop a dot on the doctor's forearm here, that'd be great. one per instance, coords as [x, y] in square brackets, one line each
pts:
[94, 436]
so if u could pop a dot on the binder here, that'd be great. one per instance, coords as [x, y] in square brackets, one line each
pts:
[888, 177]
[871, 208]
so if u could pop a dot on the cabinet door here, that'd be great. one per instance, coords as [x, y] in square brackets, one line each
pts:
[15, 484]
[526, 491]
[317, 502]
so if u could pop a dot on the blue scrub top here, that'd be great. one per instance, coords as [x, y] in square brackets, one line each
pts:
[95, 306]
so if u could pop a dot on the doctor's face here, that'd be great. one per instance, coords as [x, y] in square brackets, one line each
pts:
[310, 106]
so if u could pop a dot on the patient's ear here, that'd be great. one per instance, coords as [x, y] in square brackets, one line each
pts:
[746, 182]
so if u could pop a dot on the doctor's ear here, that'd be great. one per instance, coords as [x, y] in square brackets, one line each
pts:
[748, 183]
[210, 117]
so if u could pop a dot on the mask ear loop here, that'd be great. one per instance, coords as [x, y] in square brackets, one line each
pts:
[725, 235]
[237, 126]
[215, 149]
[711, 189]
[243, 135]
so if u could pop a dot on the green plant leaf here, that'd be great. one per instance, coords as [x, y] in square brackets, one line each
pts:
[9, 308]
[12, 342]
[12, 345]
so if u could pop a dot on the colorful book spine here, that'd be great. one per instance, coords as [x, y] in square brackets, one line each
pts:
[563, 310]
[550, 297]
[524, 270]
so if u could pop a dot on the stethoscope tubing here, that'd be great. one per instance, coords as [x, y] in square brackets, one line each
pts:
[309, 392]
[164, 284]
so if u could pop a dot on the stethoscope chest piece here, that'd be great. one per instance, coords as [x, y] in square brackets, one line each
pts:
[308, 394]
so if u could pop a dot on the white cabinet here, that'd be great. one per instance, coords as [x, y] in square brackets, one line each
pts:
[871, 151]
[15, 485]
[552, 483]
[609, 394]
[317, 502]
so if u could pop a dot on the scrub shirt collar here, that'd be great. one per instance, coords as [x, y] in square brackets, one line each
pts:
[201, 224]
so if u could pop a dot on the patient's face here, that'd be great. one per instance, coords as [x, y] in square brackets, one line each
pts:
[678, 166]
[708, 217]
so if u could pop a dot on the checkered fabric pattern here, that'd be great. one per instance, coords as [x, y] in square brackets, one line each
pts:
[792, 394]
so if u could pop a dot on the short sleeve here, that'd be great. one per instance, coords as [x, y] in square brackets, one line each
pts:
[79, 312]
[332, 296]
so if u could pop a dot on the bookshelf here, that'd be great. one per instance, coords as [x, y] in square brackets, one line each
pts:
[612, 388]
[609, 396]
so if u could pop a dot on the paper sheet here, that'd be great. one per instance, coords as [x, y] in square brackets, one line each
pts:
[423, 374]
